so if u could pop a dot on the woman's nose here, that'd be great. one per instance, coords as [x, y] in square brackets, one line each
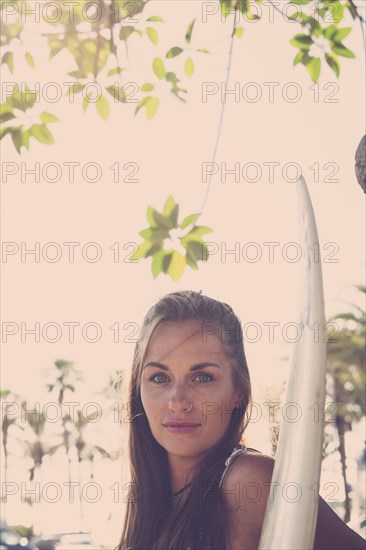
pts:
[179, 401]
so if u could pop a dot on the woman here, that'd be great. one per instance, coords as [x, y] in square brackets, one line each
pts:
[195, 484]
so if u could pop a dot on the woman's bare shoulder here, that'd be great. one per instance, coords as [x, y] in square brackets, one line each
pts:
[250, 467]
[245, 491]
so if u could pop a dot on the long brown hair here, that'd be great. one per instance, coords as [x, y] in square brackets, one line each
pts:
[151, 522]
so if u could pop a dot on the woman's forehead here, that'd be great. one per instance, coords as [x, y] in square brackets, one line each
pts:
[193, 337]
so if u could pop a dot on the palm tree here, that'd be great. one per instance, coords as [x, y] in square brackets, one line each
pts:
[7, 422]
[65, 376]
[85, 451]
[346, 365]
[37, 450]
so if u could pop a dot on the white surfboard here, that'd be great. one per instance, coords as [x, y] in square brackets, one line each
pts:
[291, 513]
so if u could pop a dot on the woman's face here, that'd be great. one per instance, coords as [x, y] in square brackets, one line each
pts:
[187, 377]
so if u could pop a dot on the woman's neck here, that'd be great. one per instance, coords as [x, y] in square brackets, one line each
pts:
[181, 472]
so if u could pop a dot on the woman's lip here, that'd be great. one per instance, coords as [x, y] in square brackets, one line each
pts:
[181, 428]
[181, 424]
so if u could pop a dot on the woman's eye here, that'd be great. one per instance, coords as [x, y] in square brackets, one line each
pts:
[207, 377]
[202, 377]
[161, 376]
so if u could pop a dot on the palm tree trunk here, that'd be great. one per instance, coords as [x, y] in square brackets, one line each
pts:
[66, 441]
[342, 426]
[38, 508]
[4, 502]
[80, 491]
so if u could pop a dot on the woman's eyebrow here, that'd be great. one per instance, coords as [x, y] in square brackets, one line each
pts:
[198, 366]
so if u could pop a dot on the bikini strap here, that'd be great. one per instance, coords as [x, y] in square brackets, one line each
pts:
[240, 449]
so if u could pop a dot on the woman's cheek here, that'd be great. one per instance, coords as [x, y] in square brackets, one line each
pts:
[146, 399]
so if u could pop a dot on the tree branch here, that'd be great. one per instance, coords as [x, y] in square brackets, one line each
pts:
[360, 18]
[275, 7]
[222, 113]
[356, 10]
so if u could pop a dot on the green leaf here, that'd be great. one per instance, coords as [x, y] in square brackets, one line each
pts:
[313, 68]
[29, 59]
[163, 221]
[153, 35]
[146, 234]
[155, 18]
[48, 117]
[157, 262]
[158, 67]
[189, 67]
[169, 206]
[117, 92]
[330, 31]
[8, 58]
[189, 31]
[147, 87]
[117, 70]
[4, 130]
[239, 31]
[341, 34]
[153, 250]
[173, 52]
[203, 51]
[339, 49]
[196, 250]
[16, 136]
[41, 133]
[141, 104]
[15, 100]
[125, 32]
[299, 57]
[103, 107]
[151, 107]
[333, 63]
[142, 251]
[227, 7]
[299, 2]
[199, 230]
[191, 262]
[188, 220]
[302, 41]
[75, 88]
[25, 138]
[174, 215]
[171, 77]
[315, 28]
[86, 101]
[4, 117]
[150, 216]
[337, 13]
[55, 51]
[176, 265]
[195, 234]
[166, 261]
[154, 234]
[6, 107]
[90, 46]
[77, 74]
